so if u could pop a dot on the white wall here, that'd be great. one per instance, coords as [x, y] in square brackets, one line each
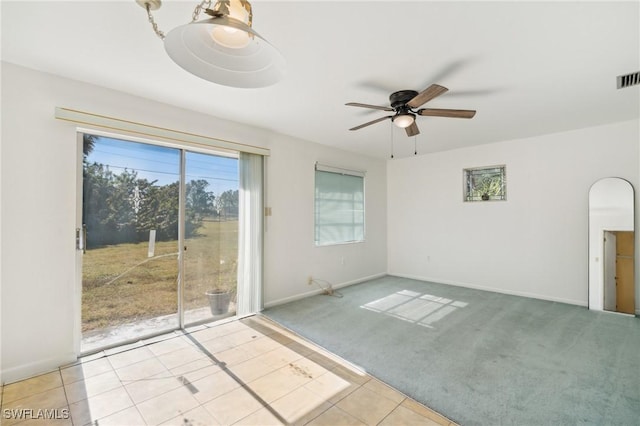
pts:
[535, 243]
[290, 253]
[38, 197]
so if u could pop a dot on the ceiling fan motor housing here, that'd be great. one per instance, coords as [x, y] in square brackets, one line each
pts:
[399, 99]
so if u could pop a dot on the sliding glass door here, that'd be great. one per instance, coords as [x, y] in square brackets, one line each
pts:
[211, 237]
[160, 231]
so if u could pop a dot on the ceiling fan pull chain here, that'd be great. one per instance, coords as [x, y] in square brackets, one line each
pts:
[415, 145]
[391, 127]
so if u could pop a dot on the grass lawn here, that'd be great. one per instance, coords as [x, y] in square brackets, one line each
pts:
[121, 284]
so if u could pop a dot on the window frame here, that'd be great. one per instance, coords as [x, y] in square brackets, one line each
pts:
[499, 170]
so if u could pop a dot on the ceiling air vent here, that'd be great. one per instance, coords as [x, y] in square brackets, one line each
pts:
[628, 80]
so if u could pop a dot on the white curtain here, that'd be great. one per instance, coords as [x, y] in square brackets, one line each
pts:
[250, 234]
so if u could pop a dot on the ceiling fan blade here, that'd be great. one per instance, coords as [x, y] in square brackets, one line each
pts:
[382, 108]
[413, 129]
[454, 113]
[426, 95]
[370, 122]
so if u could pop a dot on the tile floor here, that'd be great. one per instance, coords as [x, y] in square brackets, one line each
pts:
[245, 372]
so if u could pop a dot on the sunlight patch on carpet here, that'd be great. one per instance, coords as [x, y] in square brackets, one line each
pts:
[418, 308]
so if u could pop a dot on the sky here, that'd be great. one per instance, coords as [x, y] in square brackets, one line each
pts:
[159, 163]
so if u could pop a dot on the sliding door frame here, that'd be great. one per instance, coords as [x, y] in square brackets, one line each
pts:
[181, 242]
[80, 243]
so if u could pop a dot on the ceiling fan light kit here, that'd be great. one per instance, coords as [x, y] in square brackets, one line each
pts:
[224, 48]
[404, 103]
[403, 120]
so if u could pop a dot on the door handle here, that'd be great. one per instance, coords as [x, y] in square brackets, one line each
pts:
[81, 239]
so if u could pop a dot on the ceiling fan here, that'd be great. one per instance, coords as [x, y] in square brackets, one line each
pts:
[404, 104]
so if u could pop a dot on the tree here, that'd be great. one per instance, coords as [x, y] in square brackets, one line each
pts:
[88, 143]
[199, 201]
[123, 208]
[160, 211]
[96, 190]
[227, 204]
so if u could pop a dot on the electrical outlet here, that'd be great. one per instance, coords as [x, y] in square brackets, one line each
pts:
[309, 280]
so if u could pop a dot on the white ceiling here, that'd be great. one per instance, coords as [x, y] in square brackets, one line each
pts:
[528, 68]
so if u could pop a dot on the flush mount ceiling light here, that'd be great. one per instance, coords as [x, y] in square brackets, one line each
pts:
[404, 120]
[223, 49]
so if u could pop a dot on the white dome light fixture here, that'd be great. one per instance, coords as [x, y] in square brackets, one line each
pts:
[404, 120]
[223, 49]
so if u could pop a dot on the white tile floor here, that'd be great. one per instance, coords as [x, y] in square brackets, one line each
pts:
[246, 372]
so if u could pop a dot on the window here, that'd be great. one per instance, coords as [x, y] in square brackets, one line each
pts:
[339, 206]
[485, 183]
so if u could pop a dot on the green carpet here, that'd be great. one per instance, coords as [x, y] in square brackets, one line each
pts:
[480, 357]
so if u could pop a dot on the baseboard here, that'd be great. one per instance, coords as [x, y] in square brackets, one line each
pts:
[319, 291]
[493, 289]
[25, 371]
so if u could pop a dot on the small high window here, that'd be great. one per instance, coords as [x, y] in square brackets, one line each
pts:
[485, 183]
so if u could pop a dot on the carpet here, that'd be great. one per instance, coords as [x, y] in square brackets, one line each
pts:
[478, 357]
